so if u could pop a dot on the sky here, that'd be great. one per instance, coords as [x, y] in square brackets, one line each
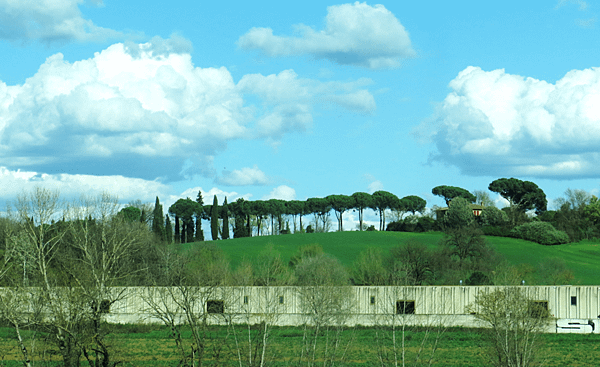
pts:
[292, 100]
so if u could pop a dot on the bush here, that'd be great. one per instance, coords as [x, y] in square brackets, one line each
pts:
[541, 232]
[413, 224]
[492, 216]
[495, 231]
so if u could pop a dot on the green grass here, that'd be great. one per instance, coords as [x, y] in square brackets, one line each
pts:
[583, 258]
[456, 347]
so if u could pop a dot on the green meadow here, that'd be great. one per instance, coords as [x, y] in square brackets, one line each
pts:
[151, 345]
[583, 258]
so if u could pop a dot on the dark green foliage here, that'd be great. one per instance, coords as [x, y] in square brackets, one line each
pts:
[492, 216]
[225, 215]
[131, 214]
[214, 219]
[168, 230]
[413, 204]
[478, 278]
[362, 201]
[371, 228]
[158, 221]
[241, 212]
[184, 211]
[320, 207]
[199, 216]
[383, 200]
[410, 264]
[451, 192]
[458, 215]
[413, 223]
[495, 231]
[340, 204]
[522, 195]
[176, 226]
[309, 229]
[465, 242]
[541, 232]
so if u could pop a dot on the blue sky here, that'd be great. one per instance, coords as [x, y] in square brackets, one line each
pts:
[296, 100]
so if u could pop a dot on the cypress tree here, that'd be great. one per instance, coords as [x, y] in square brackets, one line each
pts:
[225, 233]
[168, 230]
[199, 216]
[214, 219]
[189, 230]
[177, 237]
[158, 223]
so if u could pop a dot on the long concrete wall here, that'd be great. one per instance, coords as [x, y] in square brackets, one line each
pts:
[363, 306]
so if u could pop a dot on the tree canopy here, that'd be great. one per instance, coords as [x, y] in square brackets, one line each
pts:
[521, 195]
[451, 192]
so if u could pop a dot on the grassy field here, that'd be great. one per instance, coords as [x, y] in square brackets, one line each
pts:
[583, 258]
[151, 346]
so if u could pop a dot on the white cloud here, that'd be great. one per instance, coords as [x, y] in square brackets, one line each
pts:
[494, 123]
[207, 196]
[582, 5]
[354, 34]
[49, 21]
[282, 192]
[149, 101]
[288, 100]
[244, 177]
[72, 186]
[373, 183]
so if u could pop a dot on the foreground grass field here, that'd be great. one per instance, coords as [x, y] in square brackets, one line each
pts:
[581, 257]
[152, 346]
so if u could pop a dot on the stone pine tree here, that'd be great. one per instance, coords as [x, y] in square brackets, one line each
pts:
[158, 223]
[225, 215]
[199, 217]
[214, 219]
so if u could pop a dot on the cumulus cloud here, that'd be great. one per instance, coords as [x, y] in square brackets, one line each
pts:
[244, 177]
[495, 123]
[49, 21]
[282, 192]
[147, 108]
[288, 100]
[72, 186]
[207, 196]
[355, 34]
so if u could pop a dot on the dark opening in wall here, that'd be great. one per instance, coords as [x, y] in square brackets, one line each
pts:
[372, 300]
[538, 309]
[245, 300]
[280, 300]
[405, 307]
[215, 306]
[573, 300]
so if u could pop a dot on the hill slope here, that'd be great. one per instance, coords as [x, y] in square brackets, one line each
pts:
[583, 258]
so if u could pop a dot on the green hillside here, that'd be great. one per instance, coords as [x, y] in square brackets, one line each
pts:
[583, 258]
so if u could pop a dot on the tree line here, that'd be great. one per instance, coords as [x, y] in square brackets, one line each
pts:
[248, 218]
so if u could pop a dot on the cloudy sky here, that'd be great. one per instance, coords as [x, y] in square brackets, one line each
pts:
[294, 100]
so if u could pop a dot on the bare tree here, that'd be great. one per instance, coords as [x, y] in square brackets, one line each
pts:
[101, 246]
[395, 317]
[514, 321]
[325, 295]
[194, 297]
